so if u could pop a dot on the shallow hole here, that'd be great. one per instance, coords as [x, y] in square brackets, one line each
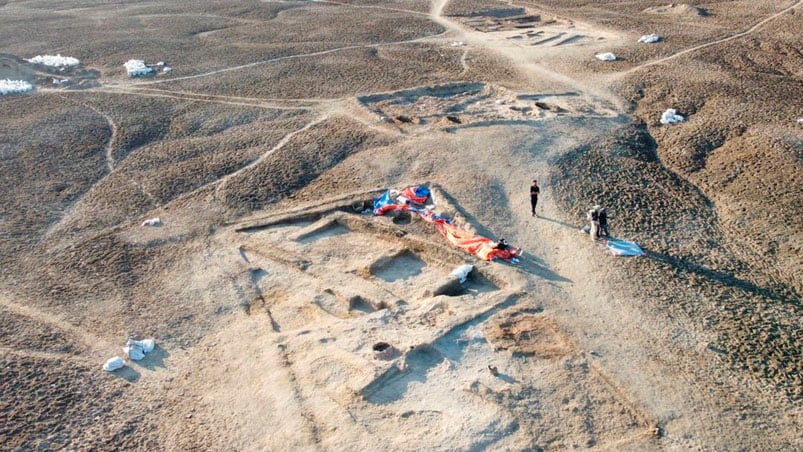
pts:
[357, 303]
[403, 266]
[381, 346]
[403, 218]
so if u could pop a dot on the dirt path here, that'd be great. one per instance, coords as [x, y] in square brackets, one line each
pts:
[381, 8]
[221, 183]
[112, 126]
[666, 375]
[303, 102]
[750, 30]
[87, 339]
[110, 144]
[186, 96]
[110, 163]
[274, 60]
[659, 366]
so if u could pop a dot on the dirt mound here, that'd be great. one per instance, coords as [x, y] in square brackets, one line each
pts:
[678, 9]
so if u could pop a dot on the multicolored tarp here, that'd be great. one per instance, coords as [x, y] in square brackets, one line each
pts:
[414, 198]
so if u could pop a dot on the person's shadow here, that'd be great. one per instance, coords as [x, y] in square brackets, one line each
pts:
[558, 222]
[506, 378]
[534, 265]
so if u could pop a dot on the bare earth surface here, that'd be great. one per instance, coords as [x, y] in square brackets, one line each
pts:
[286, 318]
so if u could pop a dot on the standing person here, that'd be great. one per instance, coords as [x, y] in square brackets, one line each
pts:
[603, 222]
[593, 217]
[534, 191]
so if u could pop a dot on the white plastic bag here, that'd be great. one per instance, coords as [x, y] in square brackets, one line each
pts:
[461, 272]
[113, 364]
[649, 39]
[147, 345]
[134, 350]
[14, 87]
[152, 222]
[608, 56]
[670, 116]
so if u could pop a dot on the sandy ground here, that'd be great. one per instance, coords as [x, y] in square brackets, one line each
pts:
[287, 318]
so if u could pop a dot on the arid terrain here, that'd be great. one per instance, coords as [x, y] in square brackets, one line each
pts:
[288, 317]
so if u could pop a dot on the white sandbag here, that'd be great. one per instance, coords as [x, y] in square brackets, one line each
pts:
[671, 116]
[147, 345]
[461, 272]
[14, 87]
[113, 364]
[608, 56]
[649, 39]
[152, 222]
[54, 60]
[136, 68]
[134, 350]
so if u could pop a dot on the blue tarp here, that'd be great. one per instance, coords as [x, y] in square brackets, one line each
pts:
[624, 248]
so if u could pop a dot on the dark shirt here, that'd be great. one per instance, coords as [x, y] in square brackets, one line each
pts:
[603, 218]
[534, 190]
